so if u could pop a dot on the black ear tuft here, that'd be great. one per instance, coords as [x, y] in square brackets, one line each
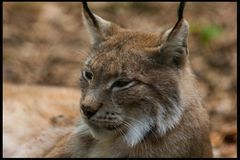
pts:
[180, 10]
[90, 14]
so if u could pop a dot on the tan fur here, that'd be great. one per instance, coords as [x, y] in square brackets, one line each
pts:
[157, 114]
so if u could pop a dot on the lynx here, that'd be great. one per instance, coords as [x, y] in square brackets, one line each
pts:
[138, 95]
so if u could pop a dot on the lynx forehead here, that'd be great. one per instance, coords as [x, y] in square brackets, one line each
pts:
[126, 48]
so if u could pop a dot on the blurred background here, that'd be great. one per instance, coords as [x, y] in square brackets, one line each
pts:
[44, 45]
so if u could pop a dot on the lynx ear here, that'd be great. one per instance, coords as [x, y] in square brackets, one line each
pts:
[173, 50]
[179, 33]
[98, 28]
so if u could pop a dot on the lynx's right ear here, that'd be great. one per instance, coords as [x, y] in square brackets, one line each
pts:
[179, 33]
[98, 28]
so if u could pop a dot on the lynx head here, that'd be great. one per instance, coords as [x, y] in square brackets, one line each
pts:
[130, 81]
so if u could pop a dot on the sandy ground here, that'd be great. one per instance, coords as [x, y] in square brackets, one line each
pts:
[36, 114]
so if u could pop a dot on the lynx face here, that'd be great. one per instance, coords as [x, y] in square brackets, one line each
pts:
[129, 82]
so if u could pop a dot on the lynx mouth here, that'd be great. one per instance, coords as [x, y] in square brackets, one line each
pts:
[106, 125]
[111, 127]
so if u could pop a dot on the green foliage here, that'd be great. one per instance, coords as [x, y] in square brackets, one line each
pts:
[207, 33]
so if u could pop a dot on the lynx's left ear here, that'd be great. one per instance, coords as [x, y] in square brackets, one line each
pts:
[177, 36]
[174, 43]
[99, 29]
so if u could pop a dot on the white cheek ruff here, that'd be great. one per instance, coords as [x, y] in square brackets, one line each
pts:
[137, 131]
[167, 119]
[174, 116]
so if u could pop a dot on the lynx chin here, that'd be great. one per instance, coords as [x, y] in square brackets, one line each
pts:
[138, 95]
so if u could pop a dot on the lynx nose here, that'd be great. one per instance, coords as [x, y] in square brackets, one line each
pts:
[89, 111]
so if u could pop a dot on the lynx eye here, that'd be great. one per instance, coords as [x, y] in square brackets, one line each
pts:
[87, 75]
[120, 84]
